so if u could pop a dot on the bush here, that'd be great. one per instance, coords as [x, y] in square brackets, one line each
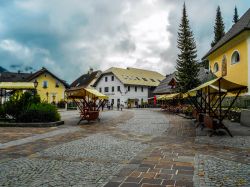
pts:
[2, 112]
[40, 112]
[19, 102]
[25, 107]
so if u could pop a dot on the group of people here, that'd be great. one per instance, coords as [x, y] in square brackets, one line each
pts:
[110, 106]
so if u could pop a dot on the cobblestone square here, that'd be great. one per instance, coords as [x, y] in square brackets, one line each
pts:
[129, 148]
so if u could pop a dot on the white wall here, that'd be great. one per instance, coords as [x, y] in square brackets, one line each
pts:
[124, 95]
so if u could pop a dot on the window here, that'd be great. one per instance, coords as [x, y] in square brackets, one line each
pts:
[106, 89]
[135, 88]
[57, 84]
[128, 88]
[152, 80]
[144, 79]
[106, 79]
[216, 67]
[113, 88]
[118, 88]
[142, 89]
[235, 57]
[137, 78]
[45, 84]
[112, 78]
[100, 89]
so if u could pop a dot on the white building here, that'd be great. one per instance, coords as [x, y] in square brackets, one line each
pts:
[129, 86]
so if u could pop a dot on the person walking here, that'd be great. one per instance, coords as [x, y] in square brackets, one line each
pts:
[121, 106]
[108, 105]
[118, 106]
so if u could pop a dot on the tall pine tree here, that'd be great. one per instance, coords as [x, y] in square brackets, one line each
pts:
[236, 16]
[219, 28]
[187, 66]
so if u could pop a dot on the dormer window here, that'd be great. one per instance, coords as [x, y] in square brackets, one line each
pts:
[216, 67]
[57, 84]
[45, 84]
[235, 57]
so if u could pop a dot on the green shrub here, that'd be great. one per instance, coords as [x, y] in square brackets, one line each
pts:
[26, 107]
[40, 112]
[20, 102]
[2, 112]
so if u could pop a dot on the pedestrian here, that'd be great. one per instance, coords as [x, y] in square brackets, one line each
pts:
[121, 106]
[103, 103]
[118, 106]
[112, 105]
[108, 105]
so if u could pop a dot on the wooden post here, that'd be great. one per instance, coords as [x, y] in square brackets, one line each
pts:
[209, 100]
[220, 100]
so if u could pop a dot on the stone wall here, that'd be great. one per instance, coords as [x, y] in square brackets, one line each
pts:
[245, 117]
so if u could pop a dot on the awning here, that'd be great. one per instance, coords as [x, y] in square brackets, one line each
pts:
[225, 85]
[80, 92]
[17, 85]
[168, 96]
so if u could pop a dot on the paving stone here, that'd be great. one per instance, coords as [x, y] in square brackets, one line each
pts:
[129, 184]
[133, 179]
[97, 146]
[39, 172]
[236, 141]
[151, 181]
[219, 172]
[148, 175]
[112, 184]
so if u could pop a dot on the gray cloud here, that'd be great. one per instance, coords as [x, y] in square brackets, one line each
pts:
[69, 36]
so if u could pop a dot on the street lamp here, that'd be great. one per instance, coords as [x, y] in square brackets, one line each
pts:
[35, 85]
[47, 94]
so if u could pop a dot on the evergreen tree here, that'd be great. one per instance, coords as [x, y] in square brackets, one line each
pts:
[187, 66]
[218, 27]
[236, 16]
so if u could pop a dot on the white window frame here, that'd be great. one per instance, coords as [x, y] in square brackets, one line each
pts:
[217, 68]
[232, 63]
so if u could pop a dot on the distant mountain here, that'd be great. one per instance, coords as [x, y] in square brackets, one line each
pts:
[2, 69]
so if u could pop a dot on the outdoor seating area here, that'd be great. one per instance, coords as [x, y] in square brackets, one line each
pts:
[89, 101]
[206, 101]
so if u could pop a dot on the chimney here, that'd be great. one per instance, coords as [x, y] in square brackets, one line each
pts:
[90, 70]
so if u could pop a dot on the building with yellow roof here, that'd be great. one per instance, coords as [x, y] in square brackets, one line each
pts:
[130, 86]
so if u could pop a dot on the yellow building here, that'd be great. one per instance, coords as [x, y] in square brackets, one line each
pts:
[50, 88]
[230, 57]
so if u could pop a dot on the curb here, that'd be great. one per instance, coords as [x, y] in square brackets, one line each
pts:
[46, 124]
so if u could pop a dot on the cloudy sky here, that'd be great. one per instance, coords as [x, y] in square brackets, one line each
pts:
[70, 36]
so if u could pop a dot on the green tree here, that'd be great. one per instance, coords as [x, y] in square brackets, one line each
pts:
[219, 28]
[187, 66]
[236, 16]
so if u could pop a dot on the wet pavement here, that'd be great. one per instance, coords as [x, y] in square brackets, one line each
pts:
[128, 148]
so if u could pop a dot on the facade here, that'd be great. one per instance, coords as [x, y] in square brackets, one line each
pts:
[231, 55]
[130, 87]
[50, 88]
[168, 85]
